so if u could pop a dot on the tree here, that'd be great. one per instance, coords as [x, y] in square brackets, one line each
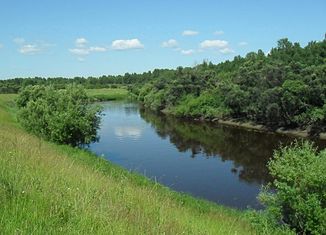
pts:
[297, 196]
[62, 116]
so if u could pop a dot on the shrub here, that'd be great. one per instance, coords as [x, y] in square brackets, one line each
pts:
[299, 197]
[62, 116]
[207, 105]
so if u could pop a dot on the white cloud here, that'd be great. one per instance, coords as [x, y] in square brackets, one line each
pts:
[226, 51]
[221, 45]
[190, 33]
[187, 52]
[171, 43]
[1, 45]
[213, 44]
[98, 49]
[242, 44]
[81, 42]
[127, 44]
[29, 49]
[219, 32]
[81, 49]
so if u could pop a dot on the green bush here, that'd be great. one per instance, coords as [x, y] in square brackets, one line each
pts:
[299, 197]
[207, 105]
[62, 116]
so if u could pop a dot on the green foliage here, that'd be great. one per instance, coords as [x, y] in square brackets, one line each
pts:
[47, 188]
[285, 88]
[62, 116]
[107, 94]
[299, 199]
[282, 89]
[155, 100]
[265, 224]
[206, 105]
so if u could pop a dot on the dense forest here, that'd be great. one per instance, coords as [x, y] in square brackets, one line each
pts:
[283, 88]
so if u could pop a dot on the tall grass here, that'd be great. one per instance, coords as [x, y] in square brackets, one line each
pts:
[106, 94]
[48, 189]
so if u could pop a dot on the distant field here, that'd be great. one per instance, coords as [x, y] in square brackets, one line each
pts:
[105, 94]
[49, 189]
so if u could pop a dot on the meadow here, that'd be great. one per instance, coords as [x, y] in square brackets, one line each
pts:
[50, 188]
[107, 94]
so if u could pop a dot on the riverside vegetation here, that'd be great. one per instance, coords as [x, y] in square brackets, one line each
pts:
[285, 88]
[51, 188]
[56, 188]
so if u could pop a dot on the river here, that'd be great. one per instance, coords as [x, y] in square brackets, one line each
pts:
[226, 165]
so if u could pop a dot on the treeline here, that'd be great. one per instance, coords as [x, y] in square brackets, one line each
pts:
[105, 81]
[284, 88]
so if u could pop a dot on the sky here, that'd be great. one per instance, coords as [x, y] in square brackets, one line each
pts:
[92, 38]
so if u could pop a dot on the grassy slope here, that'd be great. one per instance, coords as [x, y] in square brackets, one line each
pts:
[105, 94]
[47, 188]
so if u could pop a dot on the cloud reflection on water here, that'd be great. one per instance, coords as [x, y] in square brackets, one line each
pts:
[132, 132]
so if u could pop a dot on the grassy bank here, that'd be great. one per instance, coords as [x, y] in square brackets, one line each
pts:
[106, 94]
[47, 188]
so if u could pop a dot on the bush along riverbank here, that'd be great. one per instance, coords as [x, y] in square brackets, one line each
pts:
[282, 90]
[51, 188]
[301, 133]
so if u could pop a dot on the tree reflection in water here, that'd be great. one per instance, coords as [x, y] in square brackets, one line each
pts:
[248, 150]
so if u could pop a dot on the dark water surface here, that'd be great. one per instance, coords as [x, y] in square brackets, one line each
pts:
[218, 163]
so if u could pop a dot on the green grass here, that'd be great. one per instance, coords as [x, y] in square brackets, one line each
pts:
[48, 189]
[106, 94]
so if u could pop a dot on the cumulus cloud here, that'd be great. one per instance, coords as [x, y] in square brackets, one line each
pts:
[226, 50]
[81, 42]
[127, 44]
[29, 49]
[82, 49]
[97, 49]
[243, 44]
[213, 44]
[171, 43]
[219, 32]
[220, 45]
[187, 52]
[190, 33]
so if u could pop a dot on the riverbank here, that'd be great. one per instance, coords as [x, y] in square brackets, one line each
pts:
[282, 131]
[253, 126]
[49, 188]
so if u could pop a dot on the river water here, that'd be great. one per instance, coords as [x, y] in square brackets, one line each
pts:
[222, 164]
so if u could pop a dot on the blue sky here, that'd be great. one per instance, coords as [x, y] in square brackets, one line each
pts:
[85, 38]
